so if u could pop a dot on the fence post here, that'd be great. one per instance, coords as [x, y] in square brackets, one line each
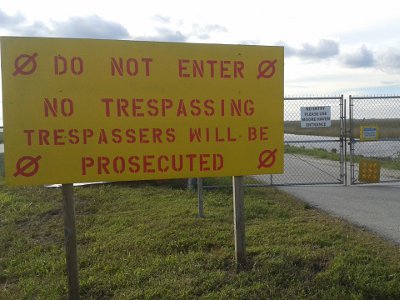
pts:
[190, 183]
[239, 220]
[70, 241]
[343, 146]
[200, 197]
[351, 140]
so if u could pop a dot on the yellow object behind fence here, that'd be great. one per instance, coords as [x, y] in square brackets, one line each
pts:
[369, 171]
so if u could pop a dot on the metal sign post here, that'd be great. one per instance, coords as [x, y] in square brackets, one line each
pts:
[200, 197]
[239, 220]
[70, 241]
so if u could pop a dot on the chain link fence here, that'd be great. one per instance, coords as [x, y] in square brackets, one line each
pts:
[374, 139]
[314, 145]
[314, 142]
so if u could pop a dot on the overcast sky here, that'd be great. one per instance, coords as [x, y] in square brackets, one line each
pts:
[331, 47]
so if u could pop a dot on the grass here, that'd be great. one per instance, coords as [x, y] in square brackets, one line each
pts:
[388, 128]
[144, 241]
[386, 162]
[314, 152]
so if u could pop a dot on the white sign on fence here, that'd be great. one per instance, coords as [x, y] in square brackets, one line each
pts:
[315, 116]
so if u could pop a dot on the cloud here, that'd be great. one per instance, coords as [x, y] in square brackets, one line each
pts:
[324, 49]
[204, 32]
[175, 30]
[249, 42]
[90, 27]
[361, 58]
[96, 27]
[6, 20]
[389, 60]
[170, 30]
[82, 27]
[36, 29]
[386, 60]
[162, 19]
[167, 30]
[164, 35]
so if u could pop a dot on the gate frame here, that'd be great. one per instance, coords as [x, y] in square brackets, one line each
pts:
[353, 140]
[342, 139]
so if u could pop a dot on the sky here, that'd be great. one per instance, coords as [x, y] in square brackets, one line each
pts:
[331, 47]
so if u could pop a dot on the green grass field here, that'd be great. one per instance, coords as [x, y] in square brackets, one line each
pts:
[388, 128]
[144, 241]
[386, 162]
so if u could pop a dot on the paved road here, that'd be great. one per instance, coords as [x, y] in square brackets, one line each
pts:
[302, 169]
[375, 206]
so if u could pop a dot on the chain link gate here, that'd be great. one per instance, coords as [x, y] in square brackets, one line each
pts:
[374, 139]
[314, 155]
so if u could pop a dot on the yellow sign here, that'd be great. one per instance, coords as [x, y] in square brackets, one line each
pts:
[368, 133]
[369, 171]
[79, 110]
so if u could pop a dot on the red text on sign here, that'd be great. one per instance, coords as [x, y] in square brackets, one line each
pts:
[139, 107]
[211, 135]
[188, 68]
[63, 64]
[258, 133]
[58, 137]
[130, 66]
[150, 164]
[53, 107]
